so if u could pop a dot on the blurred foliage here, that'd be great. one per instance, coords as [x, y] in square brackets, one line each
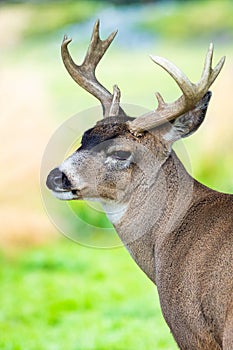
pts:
[48, 17]
[181, 20]
[191, 19]
[64, 296]
[133, 2]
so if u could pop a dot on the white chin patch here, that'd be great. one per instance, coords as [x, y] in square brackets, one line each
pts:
[114, 211]
[64, 195]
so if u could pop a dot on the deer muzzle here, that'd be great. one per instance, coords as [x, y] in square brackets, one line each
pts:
[60, 185]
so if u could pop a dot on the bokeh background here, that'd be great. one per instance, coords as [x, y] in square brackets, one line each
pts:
[56, 294]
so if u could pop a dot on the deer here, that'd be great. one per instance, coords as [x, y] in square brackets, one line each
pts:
[178, 231]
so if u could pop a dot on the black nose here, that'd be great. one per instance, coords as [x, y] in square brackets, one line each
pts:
[57, 181]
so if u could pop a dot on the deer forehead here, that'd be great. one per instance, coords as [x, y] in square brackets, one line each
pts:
[105, 130]
[115, 131]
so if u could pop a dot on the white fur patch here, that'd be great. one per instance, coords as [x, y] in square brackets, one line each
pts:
[119, 163]
[114, 211]
[64, 195]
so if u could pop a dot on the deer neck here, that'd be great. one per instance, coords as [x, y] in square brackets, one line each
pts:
[154, 211]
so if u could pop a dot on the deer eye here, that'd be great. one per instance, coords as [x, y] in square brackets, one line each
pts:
[120, 155]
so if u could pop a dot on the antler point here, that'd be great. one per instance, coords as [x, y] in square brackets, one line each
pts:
[66, 40]
[116, 90]
[151, 57]
[211, 46]
[97, 23]
[223, 59]
[160, 100]
[112, 36]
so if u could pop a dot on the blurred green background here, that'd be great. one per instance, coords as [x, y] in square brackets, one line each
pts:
[55, 294]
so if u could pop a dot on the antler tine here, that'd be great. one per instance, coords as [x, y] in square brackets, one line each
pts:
[192, 93]
[180, 78]
[97, 48]
[208, 65]
[84, 74]
[209, 74]
[114, 110]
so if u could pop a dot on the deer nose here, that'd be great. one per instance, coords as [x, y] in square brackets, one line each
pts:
[58, 181]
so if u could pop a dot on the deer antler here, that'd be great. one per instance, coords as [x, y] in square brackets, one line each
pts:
[84, 74]
[192, 93]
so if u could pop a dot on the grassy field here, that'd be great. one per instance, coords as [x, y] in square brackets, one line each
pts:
[56, 294]
[64, 296]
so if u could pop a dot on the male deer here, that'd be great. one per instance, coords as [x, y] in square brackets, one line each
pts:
[178, 231]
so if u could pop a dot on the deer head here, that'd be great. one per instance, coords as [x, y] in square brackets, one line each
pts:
[120, 153]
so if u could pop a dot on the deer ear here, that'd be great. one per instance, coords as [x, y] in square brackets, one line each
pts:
[188, 123]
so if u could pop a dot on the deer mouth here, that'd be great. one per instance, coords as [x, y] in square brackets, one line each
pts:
[66, 195]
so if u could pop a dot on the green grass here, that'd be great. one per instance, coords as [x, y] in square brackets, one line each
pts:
[64, 296]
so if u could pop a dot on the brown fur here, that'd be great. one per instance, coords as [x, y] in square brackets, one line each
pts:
[191, 263]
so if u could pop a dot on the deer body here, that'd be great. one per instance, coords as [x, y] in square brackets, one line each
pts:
[178, 231]
[191, 265]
